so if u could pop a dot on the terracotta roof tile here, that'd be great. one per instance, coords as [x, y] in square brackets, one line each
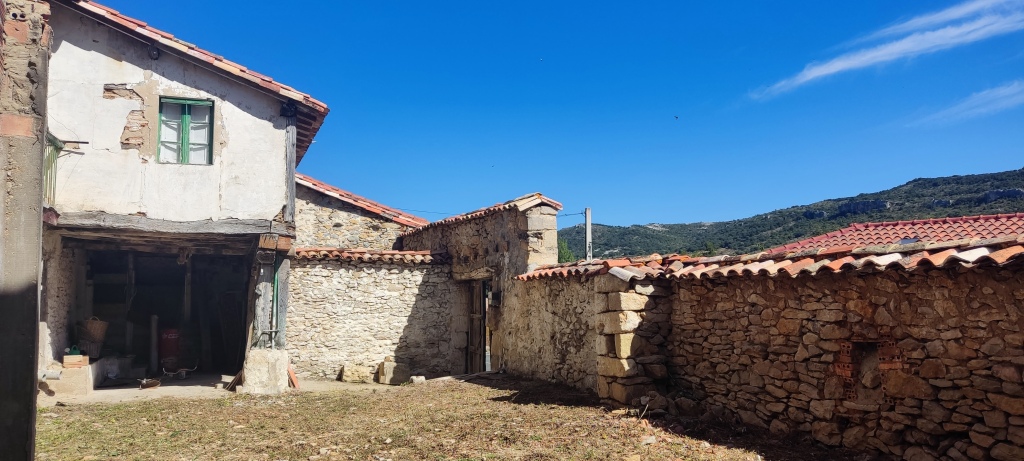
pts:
[926, 230]
[522, 203]
[385, 211]
[364, 255]
[307, 126]
[875, 256]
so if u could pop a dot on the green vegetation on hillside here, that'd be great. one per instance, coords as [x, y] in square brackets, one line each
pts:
[917, 199]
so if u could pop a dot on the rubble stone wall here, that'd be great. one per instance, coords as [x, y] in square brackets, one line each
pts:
[324, 221]
[498, 246]
[919, 365]
[55, 319]
[547, 332]
[345, 317]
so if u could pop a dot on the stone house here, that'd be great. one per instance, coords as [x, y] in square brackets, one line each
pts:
[170, 194]
[428, 297]
[903, 338]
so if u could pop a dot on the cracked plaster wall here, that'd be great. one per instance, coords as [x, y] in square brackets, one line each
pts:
[104, 89]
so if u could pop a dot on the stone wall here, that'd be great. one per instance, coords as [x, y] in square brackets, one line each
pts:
[324, 221]
[919, 365]
[546, 331]
[345, 317]
[55, 320]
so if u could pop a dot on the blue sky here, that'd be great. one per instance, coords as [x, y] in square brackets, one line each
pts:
[644, 111]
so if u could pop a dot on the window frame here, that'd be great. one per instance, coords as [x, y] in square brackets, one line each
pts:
[184, 143]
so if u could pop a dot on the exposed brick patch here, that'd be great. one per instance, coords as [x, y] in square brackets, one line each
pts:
[17, 125]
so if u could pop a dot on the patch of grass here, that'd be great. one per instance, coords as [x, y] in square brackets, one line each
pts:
[447, 420]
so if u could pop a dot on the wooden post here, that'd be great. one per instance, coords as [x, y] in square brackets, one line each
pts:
[264, 297]
[186, 304]
[290, 141]
[282, 302]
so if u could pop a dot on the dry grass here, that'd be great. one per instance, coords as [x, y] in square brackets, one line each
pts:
[448, 420]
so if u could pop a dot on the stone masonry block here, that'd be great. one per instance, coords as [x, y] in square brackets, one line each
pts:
[613, 323]
[608, 283]
[393, 373]
[605, 344]
[621, 368]
[628, 345]
[602, 387]
[650, 289]
[629, 302]
[625, 394]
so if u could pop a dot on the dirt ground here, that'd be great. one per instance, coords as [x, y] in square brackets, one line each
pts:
[492, 418]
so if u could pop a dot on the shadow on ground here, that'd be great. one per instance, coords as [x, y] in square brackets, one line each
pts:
[714, 431]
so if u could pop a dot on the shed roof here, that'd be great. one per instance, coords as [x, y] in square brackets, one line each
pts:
[311, 112]
[385, 211]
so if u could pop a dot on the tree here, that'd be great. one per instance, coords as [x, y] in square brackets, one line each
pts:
[565, 255]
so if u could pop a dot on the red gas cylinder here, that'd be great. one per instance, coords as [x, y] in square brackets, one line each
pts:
[170, 346]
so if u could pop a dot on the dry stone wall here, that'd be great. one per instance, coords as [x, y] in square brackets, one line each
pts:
[920, 366]
[345, 317]
[324, 221]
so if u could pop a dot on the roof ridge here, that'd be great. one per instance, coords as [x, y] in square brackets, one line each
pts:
[526, 201]
[372, 206]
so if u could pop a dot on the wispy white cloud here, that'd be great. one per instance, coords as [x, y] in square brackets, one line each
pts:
[979, 104]
[955, 26]
[939, 18]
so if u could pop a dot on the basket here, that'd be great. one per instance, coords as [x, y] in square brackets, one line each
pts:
[95, 330]
[91, 348]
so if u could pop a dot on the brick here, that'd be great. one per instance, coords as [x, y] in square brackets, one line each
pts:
[17, 125]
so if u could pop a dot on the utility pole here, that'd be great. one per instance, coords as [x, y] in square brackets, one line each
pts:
[590, 241]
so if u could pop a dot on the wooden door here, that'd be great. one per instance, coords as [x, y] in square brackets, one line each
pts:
[477, 346]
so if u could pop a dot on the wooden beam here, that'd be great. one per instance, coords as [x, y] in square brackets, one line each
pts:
[153, 248]
[230, 226]
[290, 160]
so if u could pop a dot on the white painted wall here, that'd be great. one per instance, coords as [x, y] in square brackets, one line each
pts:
[247, 177]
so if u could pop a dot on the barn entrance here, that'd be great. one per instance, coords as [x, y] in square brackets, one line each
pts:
[164, 313]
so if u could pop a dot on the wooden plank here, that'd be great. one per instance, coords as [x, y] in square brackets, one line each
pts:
[293, 381]
[231, 226]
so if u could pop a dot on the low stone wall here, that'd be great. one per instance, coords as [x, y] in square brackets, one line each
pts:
[545, 331]
[345, 317]
[324, 221]
[917, 365]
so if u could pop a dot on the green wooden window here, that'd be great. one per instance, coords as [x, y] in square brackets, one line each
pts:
[186, 131]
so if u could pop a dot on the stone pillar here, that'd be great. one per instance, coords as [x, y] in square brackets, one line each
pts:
[542, 237]
[631, 336]
[25, 54]
[266, 366]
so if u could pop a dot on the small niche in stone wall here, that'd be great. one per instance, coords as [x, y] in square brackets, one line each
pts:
[860, 364]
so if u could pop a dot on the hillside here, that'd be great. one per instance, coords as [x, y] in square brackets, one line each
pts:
[918, 199]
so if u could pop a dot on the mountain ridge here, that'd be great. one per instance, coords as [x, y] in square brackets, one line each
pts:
[921, 198]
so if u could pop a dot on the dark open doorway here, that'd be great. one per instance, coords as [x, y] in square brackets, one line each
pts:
[168, 312]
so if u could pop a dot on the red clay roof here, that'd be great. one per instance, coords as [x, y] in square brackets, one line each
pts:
[308, 120]
[397, 216]
[967, 252]
[522, 203]
[925, 230]
[364, 255]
